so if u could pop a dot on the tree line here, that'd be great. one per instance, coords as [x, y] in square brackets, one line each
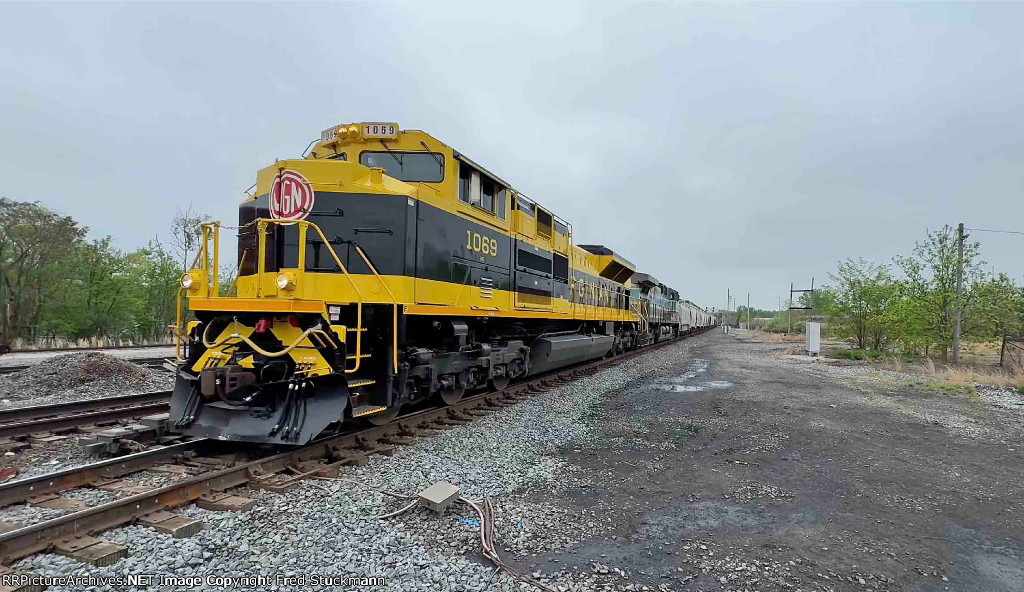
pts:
[55, 282]
[910, 304]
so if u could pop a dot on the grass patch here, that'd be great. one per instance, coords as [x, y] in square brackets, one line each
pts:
[949, 388]
[984, 348]
[965, 379]
[992, 375]
[755, 336]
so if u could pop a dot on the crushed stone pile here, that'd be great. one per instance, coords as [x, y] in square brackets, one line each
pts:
[78, 376]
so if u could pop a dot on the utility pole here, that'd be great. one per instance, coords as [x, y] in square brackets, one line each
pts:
[959, 290]
[789, 328]
[748, 311]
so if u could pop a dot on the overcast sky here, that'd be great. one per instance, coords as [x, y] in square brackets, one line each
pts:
[741, 146]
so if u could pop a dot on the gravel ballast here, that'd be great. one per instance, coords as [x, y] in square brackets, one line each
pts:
[64, 378]
[72, 377]
[329, 527]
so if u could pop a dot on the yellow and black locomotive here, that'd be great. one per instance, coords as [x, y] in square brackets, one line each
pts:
[384, 269]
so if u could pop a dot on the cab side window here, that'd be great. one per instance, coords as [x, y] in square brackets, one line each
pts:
[465, 180]
[487, 191]
[480, 191]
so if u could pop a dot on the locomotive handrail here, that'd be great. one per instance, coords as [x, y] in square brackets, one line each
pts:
[394, 301]
[213, 229]
[303, 225]
[176, 329]
[635, 307]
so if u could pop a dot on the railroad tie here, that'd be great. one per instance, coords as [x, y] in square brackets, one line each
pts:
[52, 501]
[44, 438]
[274, 482]
[91, 550]
[224, 502]
[172, 469]
[177, 526]
[123, 487]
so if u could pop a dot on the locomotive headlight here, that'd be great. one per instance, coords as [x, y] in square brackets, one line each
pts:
[285, 280]
[193, 281]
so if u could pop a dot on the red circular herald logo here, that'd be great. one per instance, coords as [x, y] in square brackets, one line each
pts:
[291, 197]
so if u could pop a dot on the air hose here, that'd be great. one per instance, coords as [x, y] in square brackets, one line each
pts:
[311, 331]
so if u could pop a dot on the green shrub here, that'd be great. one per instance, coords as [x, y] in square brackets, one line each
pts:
[859, 354]
[849, 354]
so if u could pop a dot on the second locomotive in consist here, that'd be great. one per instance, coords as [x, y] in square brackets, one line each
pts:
[386, 268]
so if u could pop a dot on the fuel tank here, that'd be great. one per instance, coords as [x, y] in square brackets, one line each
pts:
[549, 352]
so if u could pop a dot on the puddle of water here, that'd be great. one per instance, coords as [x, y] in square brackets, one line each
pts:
[678, 384]
[699, 366]
[679, 388]
[691, 388]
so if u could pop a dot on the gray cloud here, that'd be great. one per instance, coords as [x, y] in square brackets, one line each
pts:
[715, 145]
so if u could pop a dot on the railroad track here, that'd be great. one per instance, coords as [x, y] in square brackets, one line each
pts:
[70, 534]
[71, 350]
[154, 363]
[23, 421]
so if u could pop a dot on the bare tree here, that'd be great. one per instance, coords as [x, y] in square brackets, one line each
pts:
[187, 233]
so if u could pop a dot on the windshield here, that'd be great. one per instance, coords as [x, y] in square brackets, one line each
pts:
[423, 167]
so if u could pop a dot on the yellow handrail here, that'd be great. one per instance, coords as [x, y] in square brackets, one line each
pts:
[178, 357]
[359, 295]
[215, 272]
[212, 230]
[394, 301]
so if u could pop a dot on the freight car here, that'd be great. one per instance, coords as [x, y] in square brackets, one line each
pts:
[383, 269]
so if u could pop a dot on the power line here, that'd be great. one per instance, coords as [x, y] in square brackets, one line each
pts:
[1000, 231]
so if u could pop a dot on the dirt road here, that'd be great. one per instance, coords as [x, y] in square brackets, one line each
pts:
[743, 469]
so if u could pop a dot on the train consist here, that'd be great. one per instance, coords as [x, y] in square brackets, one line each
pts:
[384, 269]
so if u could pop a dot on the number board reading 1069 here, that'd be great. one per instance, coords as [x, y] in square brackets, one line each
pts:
[380, 130]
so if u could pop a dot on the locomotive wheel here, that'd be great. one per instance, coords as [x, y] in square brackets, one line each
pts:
[501, 383]
[452, 395]
[384, 417]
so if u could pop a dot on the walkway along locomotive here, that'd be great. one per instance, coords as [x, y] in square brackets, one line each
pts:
[386, 268]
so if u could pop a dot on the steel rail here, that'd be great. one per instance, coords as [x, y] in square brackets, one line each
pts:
[82, 406]
[63, 422]
[89, 349]
[22, 489]
[31, 539]
[152, 362]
